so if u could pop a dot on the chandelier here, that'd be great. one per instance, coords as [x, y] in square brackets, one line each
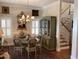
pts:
[25, 18]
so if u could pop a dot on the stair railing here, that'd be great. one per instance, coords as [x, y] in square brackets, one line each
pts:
[70, 31]
[68, 8]
[65, 27]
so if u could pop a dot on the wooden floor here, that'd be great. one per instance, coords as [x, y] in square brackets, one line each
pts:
[64, 54]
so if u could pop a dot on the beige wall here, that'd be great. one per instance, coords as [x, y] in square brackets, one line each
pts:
[51, 9]
[14, 11]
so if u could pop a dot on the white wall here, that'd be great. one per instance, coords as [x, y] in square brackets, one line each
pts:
[15, 10]
[74, 54]
[51, 9]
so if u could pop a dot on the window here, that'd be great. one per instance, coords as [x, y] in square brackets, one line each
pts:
[35, 27]
[6, 27]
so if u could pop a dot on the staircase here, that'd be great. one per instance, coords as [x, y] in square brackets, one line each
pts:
[66, 28]
[65, 34]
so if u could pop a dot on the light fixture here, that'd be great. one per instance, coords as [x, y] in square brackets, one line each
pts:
[1, 32]
[25, 18]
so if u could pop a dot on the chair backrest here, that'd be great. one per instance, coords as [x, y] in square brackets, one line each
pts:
[32, 42]
[17, 42]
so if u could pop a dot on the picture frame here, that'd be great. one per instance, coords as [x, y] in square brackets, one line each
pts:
[5, 10]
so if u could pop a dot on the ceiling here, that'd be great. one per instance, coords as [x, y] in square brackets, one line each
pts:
[35, 3]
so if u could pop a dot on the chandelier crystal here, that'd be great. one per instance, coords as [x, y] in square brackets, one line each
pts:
[25, 18]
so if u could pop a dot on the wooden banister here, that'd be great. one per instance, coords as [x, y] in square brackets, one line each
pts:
[70, 36]
[65, 27]
[66, 9]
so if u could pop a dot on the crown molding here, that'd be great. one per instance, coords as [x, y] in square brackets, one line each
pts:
[19, 5]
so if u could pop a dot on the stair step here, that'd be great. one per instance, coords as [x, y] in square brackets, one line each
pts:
[62, 41]
[66, 47]
[62, 38]
[61, 35]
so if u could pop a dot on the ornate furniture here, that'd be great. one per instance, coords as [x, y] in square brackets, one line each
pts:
[31, 46]
[48, 25]
[20, 40]
[39, 43]
[18, 46]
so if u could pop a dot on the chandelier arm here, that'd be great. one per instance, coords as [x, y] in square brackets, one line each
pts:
[25, 18]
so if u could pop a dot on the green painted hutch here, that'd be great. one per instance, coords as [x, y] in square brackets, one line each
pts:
[48, 25]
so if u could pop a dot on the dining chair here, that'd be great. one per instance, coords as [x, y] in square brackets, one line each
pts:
[17, 46]
[39, 43]
[31, 47]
